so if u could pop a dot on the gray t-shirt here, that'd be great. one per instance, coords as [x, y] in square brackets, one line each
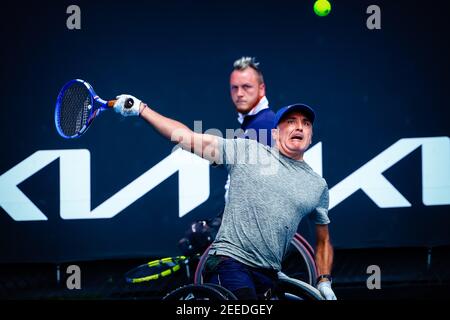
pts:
[269, 195]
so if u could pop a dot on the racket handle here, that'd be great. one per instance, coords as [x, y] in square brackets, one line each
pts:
[111, 103]
[128, 103]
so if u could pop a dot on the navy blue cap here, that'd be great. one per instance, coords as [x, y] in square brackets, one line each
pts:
[303, 108]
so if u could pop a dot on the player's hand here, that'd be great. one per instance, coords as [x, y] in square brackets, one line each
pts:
[127, 105]
[325, 290]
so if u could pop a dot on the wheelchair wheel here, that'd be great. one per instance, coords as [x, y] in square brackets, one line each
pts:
[305, 243]
[293, 289]
[227, 293]
[196, 292]
[298, 263]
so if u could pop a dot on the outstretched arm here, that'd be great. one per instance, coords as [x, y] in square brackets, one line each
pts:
[204, 145]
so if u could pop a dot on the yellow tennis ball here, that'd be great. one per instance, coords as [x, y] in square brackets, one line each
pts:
[322, 8]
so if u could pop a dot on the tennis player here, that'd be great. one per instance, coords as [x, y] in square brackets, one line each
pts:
[271, 190]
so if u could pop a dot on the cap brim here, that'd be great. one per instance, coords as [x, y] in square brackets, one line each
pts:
[306, 110]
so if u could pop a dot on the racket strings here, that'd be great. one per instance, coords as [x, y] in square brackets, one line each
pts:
[76, 105]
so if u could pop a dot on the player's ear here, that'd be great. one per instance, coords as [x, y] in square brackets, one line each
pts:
[262, 89]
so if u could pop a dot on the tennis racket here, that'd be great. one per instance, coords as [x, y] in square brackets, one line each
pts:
[77, 106]
[155, 269]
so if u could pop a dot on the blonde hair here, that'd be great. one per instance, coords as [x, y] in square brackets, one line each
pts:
[248, 62]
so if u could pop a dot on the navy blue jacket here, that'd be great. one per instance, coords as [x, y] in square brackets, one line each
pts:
[262, 120]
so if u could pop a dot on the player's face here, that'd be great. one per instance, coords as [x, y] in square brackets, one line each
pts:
[246, 91]
[294, 135]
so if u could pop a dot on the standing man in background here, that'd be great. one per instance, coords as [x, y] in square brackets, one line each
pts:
[248, 93]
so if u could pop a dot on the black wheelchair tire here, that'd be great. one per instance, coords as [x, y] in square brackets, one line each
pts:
[227, 293]
[195, 292]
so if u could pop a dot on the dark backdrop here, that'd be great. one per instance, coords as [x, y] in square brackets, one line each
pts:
[370, 88]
